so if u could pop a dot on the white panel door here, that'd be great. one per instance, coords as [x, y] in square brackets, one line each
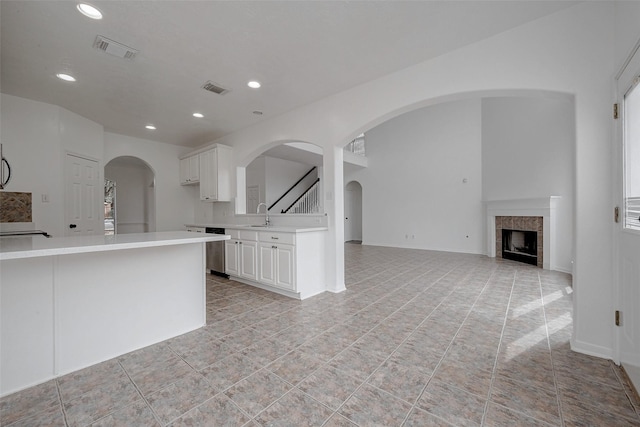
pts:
[83, 197]
[628, 228]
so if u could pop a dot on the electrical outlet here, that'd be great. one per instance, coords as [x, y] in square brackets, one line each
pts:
[45, 198]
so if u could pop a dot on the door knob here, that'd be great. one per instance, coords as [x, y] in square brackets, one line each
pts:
[72, 226]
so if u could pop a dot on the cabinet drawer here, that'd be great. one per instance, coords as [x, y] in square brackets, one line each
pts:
[248, 235]
[271, 237]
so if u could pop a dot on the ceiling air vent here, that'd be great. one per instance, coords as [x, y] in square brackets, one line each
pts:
[114, 48]
[212, 87]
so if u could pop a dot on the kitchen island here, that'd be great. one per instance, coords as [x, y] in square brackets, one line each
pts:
[71, 302]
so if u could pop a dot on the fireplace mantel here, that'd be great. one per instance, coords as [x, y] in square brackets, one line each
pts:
[542, 206]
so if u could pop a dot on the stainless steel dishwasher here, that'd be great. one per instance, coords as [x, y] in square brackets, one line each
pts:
[215, 253]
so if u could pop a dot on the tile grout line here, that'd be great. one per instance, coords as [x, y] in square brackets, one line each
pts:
[495, 364]
[64, 412]
[156, 416]
[553, 367]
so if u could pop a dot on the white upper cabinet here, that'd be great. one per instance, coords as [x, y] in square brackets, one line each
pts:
[215, 174]
[190, 170]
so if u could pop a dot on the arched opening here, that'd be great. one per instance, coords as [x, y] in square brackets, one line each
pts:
[287, 178]
[433, 165]
[353, 212]
[130, 205]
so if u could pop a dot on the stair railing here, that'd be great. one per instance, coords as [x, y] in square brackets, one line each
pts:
[307, 203]
[291, 188]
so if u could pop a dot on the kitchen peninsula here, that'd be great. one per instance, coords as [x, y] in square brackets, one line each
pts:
[70, 302]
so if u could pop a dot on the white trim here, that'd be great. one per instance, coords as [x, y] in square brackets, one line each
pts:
[591, 349]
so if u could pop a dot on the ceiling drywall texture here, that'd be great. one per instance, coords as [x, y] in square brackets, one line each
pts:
[300, 51]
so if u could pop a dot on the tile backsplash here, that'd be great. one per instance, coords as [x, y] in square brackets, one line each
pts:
[15, 207]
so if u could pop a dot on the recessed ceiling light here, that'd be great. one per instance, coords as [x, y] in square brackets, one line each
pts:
[150, 127]
[66, 77]
[89, 11]
[198, 115]
[254, 84]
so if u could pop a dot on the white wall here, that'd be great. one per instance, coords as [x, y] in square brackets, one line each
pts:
[569, 52]
[528, 152]
[413, 194]
[174, 202]
[35, 138]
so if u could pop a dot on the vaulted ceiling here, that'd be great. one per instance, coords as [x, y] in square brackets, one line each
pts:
[300, 51]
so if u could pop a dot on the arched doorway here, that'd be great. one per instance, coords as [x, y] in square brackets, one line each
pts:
[353, 212]
[130, 205]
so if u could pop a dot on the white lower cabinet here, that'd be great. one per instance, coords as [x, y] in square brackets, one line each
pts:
[290, 263]
[241, 256]
[277, 262]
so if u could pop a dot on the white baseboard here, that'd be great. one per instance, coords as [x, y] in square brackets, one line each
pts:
[633, 372]
[591, 349]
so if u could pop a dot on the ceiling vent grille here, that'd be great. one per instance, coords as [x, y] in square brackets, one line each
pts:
[212, 87]
[114, 48]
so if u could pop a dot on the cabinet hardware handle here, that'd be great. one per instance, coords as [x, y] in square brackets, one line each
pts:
[274, 247]
[274, 238]
[72, 225]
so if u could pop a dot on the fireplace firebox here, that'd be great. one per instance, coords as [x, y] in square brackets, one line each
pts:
[520, 245]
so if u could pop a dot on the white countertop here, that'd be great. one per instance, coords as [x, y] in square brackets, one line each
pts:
[38, 246]
[279, 228]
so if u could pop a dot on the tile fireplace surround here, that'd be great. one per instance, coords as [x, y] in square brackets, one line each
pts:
[537, 214]
[520, 223]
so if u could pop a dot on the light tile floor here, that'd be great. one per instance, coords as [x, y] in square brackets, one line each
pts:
[419, 338]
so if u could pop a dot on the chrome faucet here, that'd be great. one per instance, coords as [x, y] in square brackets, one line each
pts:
[266, 212]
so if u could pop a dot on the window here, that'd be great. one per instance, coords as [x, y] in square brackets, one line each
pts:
[631, 218]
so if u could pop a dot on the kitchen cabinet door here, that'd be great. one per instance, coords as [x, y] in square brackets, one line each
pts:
[190, 170]
[267, 264]
[249, 260]
[284, 265]
[231, 258]
[208, 175]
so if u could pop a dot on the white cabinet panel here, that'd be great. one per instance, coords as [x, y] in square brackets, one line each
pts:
[189, 170]
[215, 174]
[285, 264]
[267, 262]
[231, 260]
[249, 260]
